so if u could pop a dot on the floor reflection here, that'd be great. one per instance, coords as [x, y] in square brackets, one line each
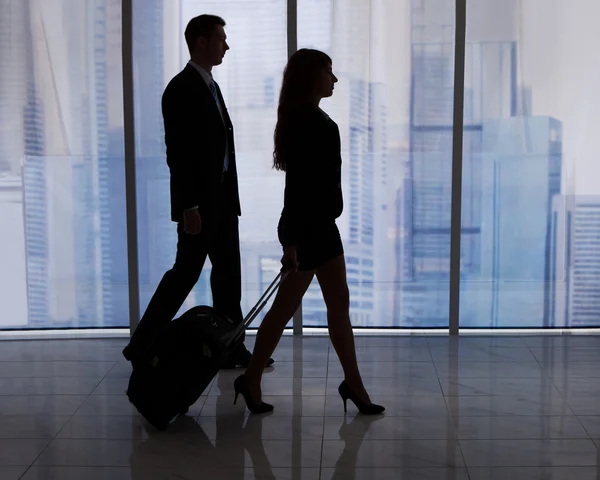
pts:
[472, 408]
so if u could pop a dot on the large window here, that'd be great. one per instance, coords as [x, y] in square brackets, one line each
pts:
[530, 210]
[62, 187]
[393, 104]
[531, 196]
[250, 79]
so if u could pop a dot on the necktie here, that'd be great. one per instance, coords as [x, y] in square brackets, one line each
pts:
[212, 86]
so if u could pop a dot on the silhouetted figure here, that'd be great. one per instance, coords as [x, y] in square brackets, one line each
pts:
[205, 200]
[307, 148]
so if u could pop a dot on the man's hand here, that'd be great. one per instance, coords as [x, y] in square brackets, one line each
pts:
[192, 222]
[290, 259]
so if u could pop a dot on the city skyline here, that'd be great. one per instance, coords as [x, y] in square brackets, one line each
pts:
[62, 174]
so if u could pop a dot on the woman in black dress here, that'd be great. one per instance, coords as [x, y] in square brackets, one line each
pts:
[307, 149]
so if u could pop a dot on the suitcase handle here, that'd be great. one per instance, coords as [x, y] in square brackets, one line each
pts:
[262, 302]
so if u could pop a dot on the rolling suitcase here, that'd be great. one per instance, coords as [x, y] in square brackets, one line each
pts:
[185, 358]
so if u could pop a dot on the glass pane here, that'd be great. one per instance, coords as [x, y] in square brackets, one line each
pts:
[63, 249]
[531, 204]
[393, 104]
[249, 78]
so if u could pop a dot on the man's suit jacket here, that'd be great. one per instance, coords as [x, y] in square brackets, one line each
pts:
[195, 137]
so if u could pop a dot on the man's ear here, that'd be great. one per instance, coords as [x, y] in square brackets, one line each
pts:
[201, 43]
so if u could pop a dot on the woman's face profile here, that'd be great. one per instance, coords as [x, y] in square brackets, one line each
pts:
[326, 81]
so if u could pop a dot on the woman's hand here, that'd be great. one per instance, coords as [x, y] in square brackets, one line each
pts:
[289, 259]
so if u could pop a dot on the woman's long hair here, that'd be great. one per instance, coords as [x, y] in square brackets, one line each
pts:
[297, 90]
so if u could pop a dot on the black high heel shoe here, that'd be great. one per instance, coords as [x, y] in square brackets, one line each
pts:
[347, 394]
[241, 388]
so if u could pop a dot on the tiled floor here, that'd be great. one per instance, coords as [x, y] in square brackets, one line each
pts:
[517, 408]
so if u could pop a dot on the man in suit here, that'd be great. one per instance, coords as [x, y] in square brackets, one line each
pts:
[204, 189]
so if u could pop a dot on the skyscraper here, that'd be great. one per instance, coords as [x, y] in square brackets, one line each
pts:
[99, 180]
[82, 113]
[358, 106]
[157, 237]
[424, 293]
[519, 178]
[105, 46]
[34, 188]
[574, 285]
[15, 69]
[13, 277]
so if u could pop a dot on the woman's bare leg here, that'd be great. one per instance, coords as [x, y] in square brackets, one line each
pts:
[334, 285]
[286, 302]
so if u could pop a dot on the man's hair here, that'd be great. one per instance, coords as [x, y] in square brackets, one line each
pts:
[201, 26]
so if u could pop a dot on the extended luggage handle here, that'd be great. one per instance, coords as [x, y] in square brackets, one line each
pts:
[262, 301]
[260, 304]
